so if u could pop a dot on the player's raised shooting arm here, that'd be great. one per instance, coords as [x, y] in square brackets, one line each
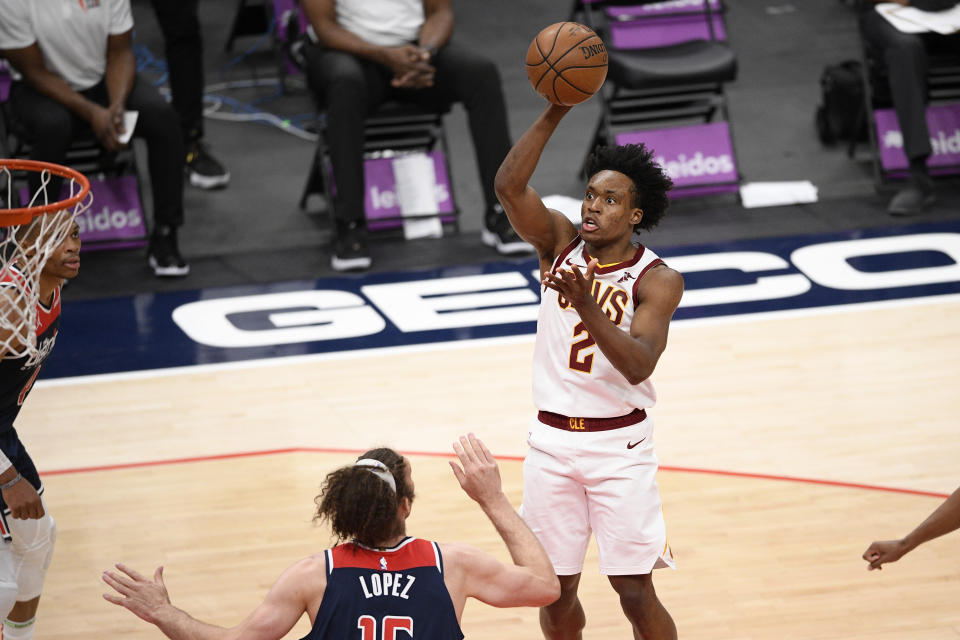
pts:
[547, 230]
[298, 589]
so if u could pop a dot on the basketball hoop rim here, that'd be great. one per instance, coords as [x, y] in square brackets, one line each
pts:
[23, 215]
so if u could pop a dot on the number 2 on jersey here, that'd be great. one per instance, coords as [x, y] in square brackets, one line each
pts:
[388, 630]
[577, 362]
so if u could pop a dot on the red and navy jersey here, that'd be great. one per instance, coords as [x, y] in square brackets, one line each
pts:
[17, 375]
[386, 594]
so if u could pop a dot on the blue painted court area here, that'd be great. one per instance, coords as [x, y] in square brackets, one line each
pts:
[159, 330]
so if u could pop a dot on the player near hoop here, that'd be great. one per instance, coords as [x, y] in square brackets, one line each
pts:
[605, 312]
[27, 529]
[379, 581]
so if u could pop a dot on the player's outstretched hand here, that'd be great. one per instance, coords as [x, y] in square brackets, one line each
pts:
[571, 284]
[883, 551]
[144, 597]
[480, 476]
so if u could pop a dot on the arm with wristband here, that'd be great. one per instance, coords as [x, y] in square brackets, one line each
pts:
[22, 499]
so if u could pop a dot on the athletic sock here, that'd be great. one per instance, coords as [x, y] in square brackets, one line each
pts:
[13, 630]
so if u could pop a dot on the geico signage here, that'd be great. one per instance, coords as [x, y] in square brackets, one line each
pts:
[513, 296]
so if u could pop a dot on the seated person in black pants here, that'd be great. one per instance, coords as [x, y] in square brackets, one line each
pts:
[905, 58]
[76, 72]
[363, 52]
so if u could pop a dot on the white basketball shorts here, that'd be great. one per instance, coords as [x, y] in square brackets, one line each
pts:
[603, 482]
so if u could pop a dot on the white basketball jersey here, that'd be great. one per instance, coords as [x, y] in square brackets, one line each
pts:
[571, 376]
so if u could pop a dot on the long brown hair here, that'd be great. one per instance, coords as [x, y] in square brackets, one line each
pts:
[359, 505]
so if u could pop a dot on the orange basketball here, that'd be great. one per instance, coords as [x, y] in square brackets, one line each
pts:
[567, 63]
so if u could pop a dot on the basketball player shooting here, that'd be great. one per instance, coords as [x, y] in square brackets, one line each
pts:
[27, 529]
[605, 311]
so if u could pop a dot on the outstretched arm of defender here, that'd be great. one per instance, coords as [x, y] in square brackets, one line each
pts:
[943, 520]
[531, 580]
[296, 589]
[548, 231]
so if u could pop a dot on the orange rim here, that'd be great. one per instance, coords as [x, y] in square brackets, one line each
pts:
[23, 215]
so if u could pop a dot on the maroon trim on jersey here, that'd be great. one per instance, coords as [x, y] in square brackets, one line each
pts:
[567, 423]
[411, 553]
[655, 263]
[610, 268]
[565, 253]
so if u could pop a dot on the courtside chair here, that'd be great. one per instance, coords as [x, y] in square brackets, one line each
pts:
[667, 66]
[394, 128]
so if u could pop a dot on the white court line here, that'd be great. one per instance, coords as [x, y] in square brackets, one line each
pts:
[481, 342]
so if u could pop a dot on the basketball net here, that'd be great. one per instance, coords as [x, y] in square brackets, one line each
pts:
[28, 237]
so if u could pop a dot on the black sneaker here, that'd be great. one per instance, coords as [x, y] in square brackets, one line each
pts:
[164, 255]
[499, 234]
[912, 199]
[350, 251]
[204, 170]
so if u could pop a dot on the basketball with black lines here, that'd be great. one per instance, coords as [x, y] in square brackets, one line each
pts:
[567, 63]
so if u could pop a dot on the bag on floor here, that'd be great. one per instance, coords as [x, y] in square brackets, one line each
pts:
[841, 115]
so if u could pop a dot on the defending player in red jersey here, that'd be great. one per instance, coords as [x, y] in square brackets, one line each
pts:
[379, 583]
[604, 315]
[27, 529]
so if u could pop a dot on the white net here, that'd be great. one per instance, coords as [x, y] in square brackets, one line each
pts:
[29, 233]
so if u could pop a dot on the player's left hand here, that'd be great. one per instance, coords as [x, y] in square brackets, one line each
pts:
[572, 285]
[144, 597]
[883, 551]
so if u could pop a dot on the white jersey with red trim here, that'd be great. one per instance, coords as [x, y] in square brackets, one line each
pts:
[571, 376]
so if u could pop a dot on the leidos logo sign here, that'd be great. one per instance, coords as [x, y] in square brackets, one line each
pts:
[105, 221]
[803, 275]
[943, 123]
[696, 155]
[697, 166]
[116, 218]
[386, 199]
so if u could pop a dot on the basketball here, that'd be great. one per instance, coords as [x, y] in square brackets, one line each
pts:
[567, 63]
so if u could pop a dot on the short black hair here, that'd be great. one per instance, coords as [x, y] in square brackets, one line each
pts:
[650, 182]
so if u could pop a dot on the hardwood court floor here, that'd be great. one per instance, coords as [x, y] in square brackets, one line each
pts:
[864, 395]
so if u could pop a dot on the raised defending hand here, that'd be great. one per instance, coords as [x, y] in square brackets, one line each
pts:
[23, 500]
[572, 285]
[883, 551]
[142, 596]
[480, 476]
